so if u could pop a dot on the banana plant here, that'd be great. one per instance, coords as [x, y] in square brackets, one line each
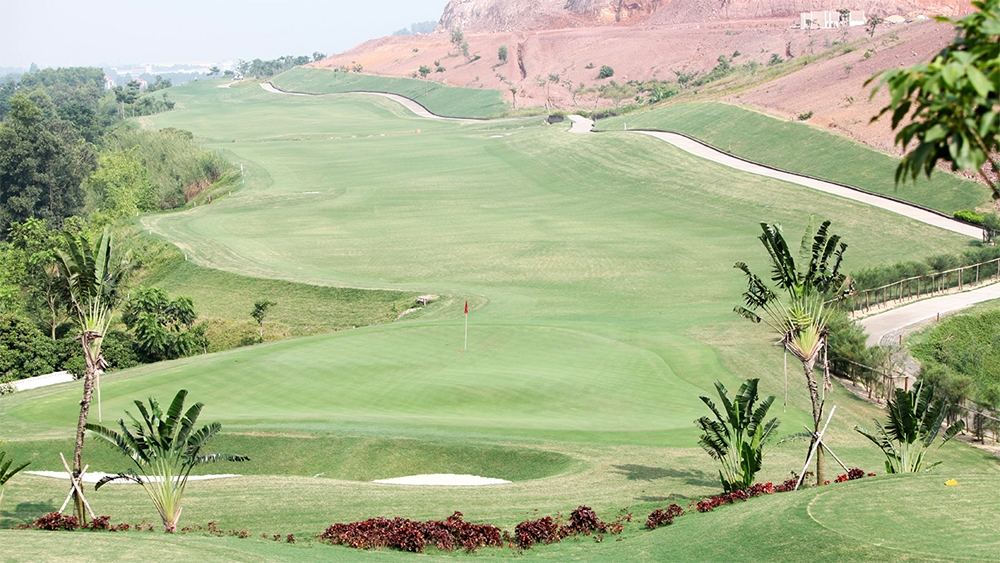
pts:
[914, 423]
[738, 434]
[164, 450]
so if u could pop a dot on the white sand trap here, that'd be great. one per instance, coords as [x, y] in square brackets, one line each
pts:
[97, 476]
[443, 480]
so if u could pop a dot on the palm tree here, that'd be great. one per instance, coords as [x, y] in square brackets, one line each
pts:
[91, 280]
[914, 422]
[164, 450]
[737, 439]
[800, 321]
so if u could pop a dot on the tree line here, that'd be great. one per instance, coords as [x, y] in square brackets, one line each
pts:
[70, 166]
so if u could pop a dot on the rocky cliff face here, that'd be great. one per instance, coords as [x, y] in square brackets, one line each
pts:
[484, 16]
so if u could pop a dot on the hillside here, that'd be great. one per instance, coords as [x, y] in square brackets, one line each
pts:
[490, 16]
[556, 48]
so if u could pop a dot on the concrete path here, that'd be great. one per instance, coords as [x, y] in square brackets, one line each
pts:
[702, 150]
[581, 124]
[408, 103]
[882, 324]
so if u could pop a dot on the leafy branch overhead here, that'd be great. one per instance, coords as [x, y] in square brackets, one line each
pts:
[953, 102]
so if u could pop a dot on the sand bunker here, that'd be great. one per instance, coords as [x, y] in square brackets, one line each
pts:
[97, 476]
[443, 480]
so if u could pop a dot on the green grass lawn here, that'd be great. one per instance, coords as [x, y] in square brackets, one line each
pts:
[598, 271]
[299, 309]
[449, 101]
[798, 147]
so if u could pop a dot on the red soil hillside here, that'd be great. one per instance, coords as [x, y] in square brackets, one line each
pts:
[645, 39]
[521, 15]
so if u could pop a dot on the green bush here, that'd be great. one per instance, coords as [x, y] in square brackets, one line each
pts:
[868, 278]
[961, 358]
[969, 217]
[605, 72]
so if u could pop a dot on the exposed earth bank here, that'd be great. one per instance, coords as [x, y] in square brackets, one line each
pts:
[556, 48]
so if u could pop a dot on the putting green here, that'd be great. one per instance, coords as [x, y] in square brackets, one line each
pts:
[541, 381]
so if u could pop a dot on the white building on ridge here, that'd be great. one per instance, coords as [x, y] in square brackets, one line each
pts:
[830, 19]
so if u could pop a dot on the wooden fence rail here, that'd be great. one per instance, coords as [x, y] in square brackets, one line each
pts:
[921, 286]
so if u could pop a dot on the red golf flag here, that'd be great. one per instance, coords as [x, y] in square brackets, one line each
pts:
[466, 307]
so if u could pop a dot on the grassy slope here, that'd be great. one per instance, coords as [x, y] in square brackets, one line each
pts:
[797, 147]
[298, 310]
[598, 271]
[880, 519]
[449, 101]
[968, 344]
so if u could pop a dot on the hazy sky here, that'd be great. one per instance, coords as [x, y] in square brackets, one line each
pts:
[94, 32]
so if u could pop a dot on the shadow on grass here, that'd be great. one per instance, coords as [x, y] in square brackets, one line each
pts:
[27, 512]
[634, 472]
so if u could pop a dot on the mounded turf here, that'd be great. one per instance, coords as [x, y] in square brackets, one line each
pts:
[798, 147]
[598, 270]
[450, 101]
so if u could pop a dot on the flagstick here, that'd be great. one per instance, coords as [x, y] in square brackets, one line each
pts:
[466, 330]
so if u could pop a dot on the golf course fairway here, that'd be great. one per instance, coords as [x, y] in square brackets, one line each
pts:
[598, 272]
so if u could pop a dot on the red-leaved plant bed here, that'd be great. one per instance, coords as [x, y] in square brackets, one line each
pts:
[410, 535]
[59, 521]
[454, 532]
[759, 489]
[661, 517]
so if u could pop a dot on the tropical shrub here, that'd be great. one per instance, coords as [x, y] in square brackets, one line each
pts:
[164, 449]
[737, 439]
[162, 327]
[914, 421]
[969, 217]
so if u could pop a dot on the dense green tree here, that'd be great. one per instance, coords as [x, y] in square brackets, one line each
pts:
[502, 54]
[24, 350]
[30, 264]
[81, 86]
[951, 102]
[162, 327]
[42, 165]
[120, 187]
